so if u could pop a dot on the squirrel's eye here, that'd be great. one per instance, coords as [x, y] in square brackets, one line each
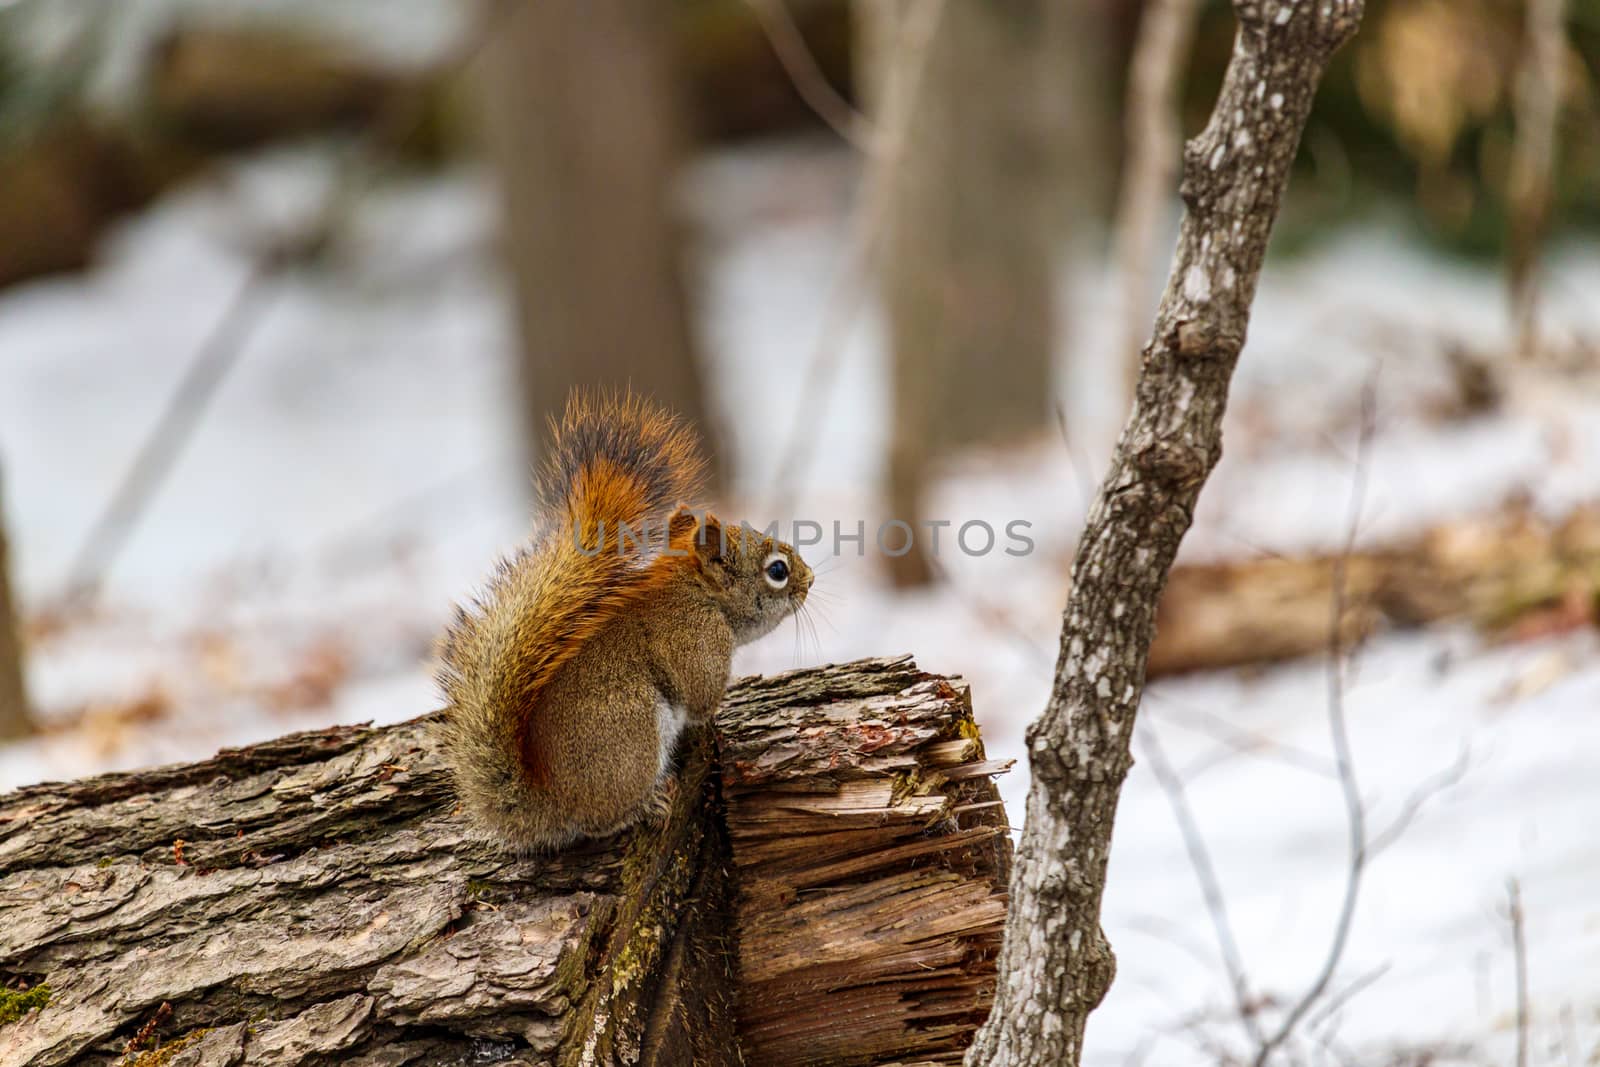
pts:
[777, 573]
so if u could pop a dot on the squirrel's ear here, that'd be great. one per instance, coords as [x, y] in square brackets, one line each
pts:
[682, 524]
[710, 544]
[700, 534]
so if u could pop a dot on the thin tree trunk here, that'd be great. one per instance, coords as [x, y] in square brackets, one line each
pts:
[586, 128]
[830, 887]
[972, 233]
[1538, 103]
[1154, 143]
[14, 719]
[1056, 964]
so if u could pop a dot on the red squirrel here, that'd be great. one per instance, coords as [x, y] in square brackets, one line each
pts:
[569, 680]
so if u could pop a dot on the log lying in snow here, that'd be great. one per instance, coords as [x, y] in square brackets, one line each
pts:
[1507, 571]
[836, 894]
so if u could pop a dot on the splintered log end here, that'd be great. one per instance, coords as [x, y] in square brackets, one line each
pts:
[871, 853]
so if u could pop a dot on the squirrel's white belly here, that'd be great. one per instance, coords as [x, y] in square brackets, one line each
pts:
[670, 720]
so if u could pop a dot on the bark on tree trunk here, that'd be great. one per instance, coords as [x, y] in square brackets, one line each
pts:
[974, 219]
[1056, 965]
[316, 899]
[14, 719]
[585, 127]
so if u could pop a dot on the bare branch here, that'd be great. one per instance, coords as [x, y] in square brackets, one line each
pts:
[1170, 932]
[1335, 1001]
[867, 224]
[1056, 966]
[223, 346]
[217, 355]
[1344, 760]
[1231, 738]
[1519, 955]
[1419, 797]
[789, 45]
[1569, 1036]
[1206, 874]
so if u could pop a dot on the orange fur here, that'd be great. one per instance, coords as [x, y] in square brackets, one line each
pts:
[613, 460]
[571, 679]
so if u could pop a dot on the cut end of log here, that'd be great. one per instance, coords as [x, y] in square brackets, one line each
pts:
[871, 854]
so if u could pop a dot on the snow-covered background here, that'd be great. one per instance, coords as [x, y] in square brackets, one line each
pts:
[360, 470]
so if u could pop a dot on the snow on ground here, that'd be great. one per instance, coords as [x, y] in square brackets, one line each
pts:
[359, 471]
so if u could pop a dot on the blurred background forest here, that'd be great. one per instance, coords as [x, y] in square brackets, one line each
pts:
[287, 291]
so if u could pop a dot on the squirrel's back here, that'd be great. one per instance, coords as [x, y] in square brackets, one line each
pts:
[616, 468]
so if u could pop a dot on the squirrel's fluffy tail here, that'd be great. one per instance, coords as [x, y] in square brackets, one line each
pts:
[616, 460]
[619, 459]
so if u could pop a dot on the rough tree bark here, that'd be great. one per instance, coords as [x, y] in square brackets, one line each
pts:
[974, 218]
[315, 899]
[14, 719]
[586, 128]
[1056, 965]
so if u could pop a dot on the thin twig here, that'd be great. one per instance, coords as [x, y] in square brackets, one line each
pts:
[353, 547]
[220, 351]
[798, 61]
[867, 225]
[1569, 1036]
[1344, 759]
[216, 356]
[1420, 796]
[1082, 477]
[1336, 1001]
[1205, 873]
[1174, 934]
[1233, 739]
[1519, 955]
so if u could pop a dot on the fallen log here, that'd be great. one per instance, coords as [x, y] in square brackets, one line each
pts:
[1509, 573]
[208, 89]
[829, 888]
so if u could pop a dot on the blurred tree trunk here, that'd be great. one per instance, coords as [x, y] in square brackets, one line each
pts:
[976, 207]
[1152, 151]
[585, 126]
[14, 720]
[1537, 107]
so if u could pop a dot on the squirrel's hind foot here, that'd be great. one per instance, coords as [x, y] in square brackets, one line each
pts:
[658, 806]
